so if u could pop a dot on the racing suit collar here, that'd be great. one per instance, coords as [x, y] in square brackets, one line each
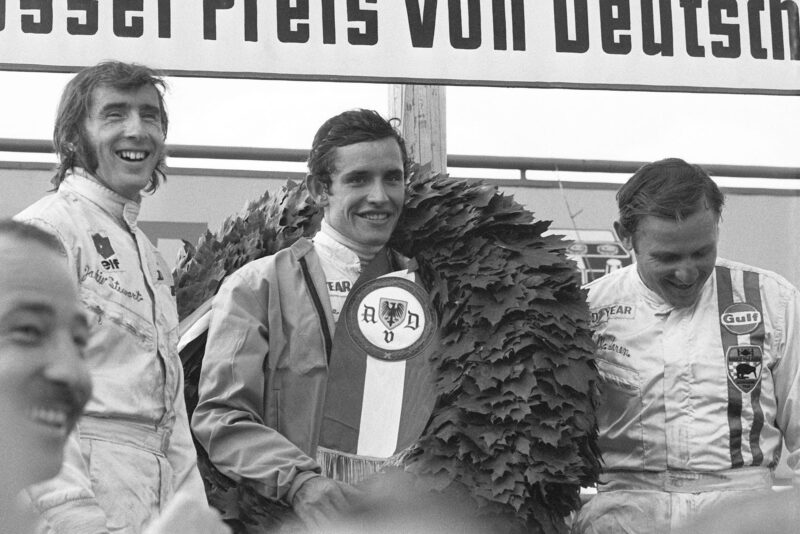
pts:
[124, 210]
[339, 254]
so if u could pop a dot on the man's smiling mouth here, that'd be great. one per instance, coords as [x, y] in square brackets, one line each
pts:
[133, 155]
[372, 216]
[58, 419]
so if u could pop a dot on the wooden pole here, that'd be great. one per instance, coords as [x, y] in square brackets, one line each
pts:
[421, 111]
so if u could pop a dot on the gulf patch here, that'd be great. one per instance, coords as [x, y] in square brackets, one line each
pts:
[744, 366]
[740, 318]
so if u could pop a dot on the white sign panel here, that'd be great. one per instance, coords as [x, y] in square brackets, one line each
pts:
[750, 46]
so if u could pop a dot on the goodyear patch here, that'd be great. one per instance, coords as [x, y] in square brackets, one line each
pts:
[740, 318]
[744, 366]
[615, 311]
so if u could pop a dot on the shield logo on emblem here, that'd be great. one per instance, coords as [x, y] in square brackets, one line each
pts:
[744, 366]
[103, 245]
[391, 312]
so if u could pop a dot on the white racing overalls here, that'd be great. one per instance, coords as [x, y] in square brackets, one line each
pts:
[695, 401]
[132, 449]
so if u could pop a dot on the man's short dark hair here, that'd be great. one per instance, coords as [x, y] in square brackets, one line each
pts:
[348, 128]
[668, 188]
[30, 233]
[69, 135]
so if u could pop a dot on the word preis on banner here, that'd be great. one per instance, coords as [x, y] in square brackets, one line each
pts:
[712, 45]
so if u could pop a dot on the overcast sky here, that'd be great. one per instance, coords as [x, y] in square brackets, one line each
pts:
[580, 124]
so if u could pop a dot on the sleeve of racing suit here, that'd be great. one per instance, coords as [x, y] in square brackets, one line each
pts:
[182, 455]
[66, 504]
[229, 419]
[786, 375]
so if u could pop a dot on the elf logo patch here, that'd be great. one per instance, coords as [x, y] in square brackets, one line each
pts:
[744, 366]
[740, 318]
[102, 245]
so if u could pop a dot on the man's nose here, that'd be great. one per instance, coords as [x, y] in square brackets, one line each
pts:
[134, 126]
[377, 192]
[66, 366]
[687, 273]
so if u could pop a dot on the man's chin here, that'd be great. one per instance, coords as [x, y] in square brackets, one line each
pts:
[683, 302]
[374, 238]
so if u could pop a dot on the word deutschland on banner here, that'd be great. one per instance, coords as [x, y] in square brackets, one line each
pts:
[519, 42]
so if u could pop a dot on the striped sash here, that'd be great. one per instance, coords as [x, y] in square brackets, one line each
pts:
[742, 334]
[378, 400]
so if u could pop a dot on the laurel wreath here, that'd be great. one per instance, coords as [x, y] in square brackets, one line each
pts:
[513, 429]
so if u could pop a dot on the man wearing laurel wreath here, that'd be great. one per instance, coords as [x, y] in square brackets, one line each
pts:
[699, 359]
[316, 366]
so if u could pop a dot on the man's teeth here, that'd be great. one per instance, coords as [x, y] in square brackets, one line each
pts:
[50, 417]
[375, 216]
[133, 155]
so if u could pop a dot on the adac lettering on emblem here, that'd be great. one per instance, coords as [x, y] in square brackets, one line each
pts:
[744, 366]
[390, 318]
[615, 311]
[740, 318]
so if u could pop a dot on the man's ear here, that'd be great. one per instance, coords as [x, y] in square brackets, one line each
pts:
[624, 236]
[317, 189]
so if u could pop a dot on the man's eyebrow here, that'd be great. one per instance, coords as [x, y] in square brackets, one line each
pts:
[114, 106]
[664, 254]
[38, 308]
[356, 173]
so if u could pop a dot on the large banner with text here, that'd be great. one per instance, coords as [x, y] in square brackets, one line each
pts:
[743, 46]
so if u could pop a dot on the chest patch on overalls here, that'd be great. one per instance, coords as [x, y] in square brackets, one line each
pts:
[740, 318]
[744, 366]
[102, 244]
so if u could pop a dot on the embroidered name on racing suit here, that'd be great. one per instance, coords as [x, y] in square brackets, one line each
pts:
[111, 282]
[608, 342]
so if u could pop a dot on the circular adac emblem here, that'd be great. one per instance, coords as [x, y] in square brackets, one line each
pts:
[390, 319]
[740, 318]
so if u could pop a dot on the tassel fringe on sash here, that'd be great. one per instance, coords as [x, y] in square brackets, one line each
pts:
[352, 468]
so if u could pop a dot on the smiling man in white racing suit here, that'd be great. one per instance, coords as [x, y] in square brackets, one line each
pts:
[132, 449]
[699, 361]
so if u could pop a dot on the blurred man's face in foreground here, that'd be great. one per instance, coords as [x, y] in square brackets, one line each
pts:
[44, 383]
